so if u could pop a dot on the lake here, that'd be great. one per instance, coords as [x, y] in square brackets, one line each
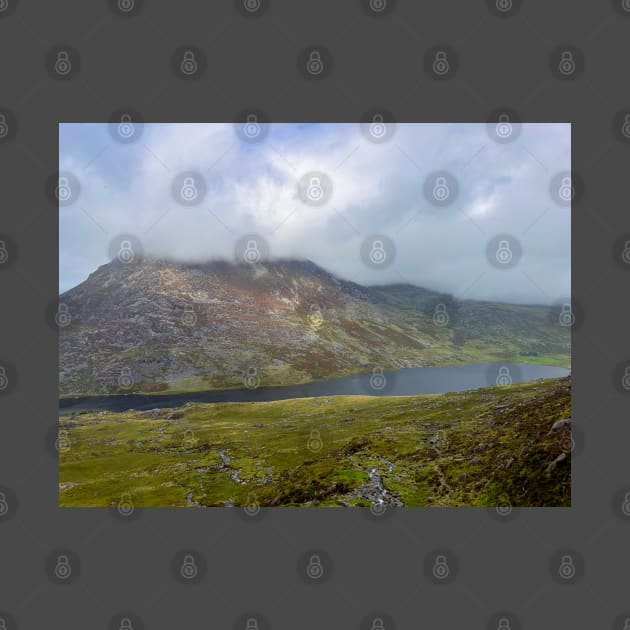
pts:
[403, 382]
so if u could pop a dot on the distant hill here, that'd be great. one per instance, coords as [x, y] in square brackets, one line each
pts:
[158, 325]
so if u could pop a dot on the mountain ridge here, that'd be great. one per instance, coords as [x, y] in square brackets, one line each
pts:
[157, 325]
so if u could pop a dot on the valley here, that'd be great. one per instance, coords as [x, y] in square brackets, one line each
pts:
[222, 384]
[484, 447]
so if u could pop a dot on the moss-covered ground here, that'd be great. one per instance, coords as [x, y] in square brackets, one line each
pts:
[483, 447]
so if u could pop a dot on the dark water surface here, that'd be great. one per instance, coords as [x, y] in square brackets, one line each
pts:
[404, 382]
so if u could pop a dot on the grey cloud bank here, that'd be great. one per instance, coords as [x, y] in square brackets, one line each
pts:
[377, 189]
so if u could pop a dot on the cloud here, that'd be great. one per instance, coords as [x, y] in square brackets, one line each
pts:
[377, 189]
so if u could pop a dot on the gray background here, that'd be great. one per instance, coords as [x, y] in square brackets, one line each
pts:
[252, 564]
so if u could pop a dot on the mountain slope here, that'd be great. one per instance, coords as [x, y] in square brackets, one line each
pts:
[157, 325]
[495, 446]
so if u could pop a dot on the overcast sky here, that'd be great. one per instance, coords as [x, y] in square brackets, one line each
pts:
[377, 189]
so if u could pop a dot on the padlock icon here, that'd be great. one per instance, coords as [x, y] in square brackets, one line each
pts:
[314, 569]
[252, 254]
[125, 126]
[441, 569]
[251, 624]
[625, 128]
[566, 317]
[252, 126]
[379, 508]
[4, 5]
[625, 381]
[4, 128]
[189, 441]
[125, 380]
[567, 443]
[626, 625]
[315, 442]
[625, 254]
[251, 5]
[504, 377]
[441, 191]
[440, 315]
[62, 443]
[440, 63]
[626, 7]
[4, 254]
[504, 624]
[125, 624]
[189, 191]
[126, 5]
[63, 65]
[63, 570]
[3, 621]
[625, 506]
[189, 317]
[567, 63]
[4, 379]
[378, 379]
[62, 317]
[504, 5]
[315, 317]
[378, 5]
[504, 254]
[315, 190]
[251, 380]
[566, 192]
[377, 126]
[4, 505]
[378, 255]
[189, 63]
[504, 126]
[504, 508]
[377, 624]
[189, 568]
[315, 65]
[566, 568]
[126, 253]
[63, 191]
[252, 507]
[125, 505]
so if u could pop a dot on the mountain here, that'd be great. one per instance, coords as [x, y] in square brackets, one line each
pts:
[155, 325]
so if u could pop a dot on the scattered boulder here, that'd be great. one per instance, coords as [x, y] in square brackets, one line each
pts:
[556, 461]
[558, 424]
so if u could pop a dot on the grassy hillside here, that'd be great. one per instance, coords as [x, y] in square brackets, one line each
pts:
[482, 447]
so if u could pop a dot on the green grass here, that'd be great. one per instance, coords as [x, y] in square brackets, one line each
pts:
[560, 361]
[319, 451]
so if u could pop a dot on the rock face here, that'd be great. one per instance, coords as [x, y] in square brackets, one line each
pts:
[158, 325]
